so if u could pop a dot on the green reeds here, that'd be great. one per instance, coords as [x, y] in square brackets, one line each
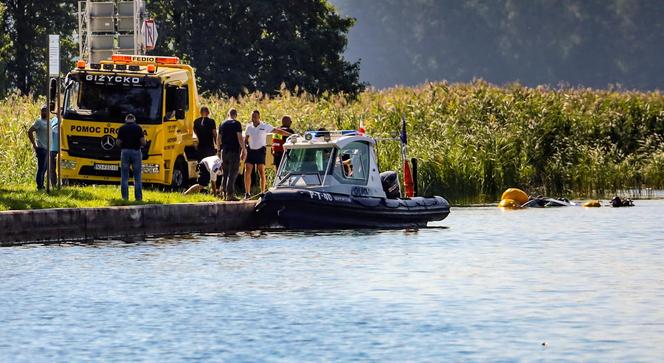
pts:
[473, 140]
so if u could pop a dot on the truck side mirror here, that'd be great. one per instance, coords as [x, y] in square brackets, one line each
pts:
[52, 94]
[181, 102]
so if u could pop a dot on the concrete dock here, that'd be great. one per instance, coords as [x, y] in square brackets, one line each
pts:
[86, 224]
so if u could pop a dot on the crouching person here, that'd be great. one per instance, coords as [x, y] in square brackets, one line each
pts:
[208, 171]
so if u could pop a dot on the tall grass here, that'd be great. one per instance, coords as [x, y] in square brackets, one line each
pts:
[473, 140]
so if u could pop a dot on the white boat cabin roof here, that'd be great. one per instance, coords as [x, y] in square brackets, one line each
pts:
[318, 139]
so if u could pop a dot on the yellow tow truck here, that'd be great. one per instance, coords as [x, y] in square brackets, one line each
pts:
[160, 91]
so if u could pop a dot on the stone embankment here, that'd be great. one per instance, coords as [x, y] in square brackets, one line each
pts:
[126, 222]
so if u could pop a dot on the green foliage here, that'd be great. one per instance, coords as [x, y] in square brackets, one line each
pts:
[17, 160]
[264, 45]
[27, 24]
[475, 140]
[472, 140]
[235, 45]
[5, 46]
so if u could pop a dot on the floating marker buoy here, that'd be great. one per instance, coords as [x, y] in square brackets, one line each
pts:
[515, 194]
[509, 204]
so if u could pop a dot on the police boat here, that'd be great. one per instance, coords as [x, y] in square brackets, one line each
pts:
[330, 179]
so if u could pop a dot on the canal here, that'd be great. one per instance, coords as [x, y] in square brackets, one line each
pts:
[484, 285]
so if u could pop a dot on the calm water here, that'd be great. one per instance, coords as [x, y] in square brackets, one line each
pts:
[492, 287]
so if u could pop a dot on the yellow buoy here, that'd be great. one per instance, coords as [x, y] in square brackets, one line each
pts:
[592, 204]
[515, 194]
[509, 204]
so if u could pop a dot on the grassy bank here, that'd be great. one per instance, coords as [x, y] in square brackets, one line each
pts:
[26, 197]
[473, 140]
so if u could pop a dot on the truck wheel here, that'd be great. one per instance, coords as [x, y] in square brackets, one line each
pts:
[180, 175]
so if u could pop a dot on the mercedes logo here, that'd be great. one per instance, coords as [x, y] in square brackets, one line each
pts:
[107, 142]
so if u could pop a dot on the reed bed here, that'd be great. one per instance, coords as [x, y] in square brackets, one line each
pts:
[472, 140]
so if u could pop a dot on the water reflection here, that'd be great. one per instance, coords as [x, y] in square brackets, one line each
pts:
[484, 285]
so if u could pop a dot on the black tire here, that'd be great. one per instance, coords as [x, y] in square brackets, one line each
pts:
[180, 177]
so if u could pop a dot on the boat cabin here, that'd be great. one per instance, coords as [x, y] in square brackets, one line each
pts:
[338, 162]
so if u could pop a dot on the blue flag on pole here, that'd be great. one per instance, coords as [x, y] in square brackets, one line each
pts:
[404, 135]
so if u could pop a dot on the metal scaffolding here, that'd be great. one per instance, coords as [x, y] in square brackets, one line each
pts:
[110, 27]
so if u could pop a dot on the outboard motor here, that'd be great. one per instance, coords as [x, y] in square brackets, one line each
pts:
[390, 182]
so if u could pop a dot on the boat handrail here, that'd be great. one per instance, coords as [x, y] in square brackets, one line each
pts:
[326, 135]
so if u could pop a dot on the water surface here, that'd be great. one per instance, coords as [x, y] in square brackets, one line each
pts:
[493, 286]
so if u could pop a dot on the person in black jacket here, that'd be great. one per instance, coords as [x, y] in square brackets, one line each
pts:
[231, 150]
[130, 141]
[205, 129]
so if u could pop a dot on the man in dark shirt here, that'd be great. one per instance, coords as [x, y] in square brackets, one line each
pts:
[206, 131]
[130, 141]
[232, 150]
[279, 140]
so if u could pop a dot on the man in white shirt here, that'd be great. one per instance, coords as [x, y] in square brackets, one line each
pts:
[208, 171]
[255, 136]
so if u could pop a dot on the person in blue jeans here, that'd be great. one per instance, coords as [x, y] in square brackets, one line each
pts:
[55, 148]
[130, 141]
[40, 127]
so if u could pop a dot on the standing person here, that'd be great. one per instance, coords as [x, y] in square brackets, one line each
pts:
[41, 127]
[255, 137]
[55, 148]
[232, 149]
[279, 140]
[208, 171]
[130, 141]
[205, 129]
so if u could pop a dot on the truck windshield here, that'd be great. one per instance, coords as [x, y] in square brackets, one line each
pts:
[111, 102]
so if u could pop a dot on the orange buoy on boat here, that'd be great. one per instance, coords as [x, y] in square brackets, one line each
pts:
[515, 194]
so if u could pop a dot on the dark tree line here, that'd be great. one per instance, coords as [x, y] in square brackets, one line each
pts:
[235, 45]
[24, 29]
[580, 42]
[259, 44]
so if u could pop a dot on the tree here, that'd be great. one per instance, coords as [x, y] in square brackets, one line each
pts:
[259, 45]
[5, 46]
[28, 24]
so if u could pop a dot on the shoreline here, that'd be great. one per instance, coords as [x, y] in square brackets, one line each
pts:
[56, 225]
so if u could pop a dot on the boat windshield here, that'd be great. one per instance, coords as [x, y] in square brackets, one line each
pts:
[306, 166]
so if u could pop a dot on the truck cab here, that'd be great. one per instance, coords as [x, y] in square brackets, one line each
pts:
[159, 91]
